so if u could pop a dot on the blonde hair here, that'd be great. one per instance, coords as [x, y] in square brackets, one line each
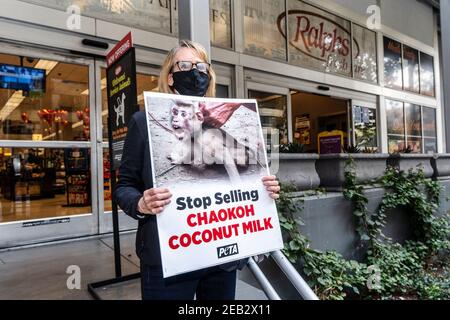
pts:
[169, 63]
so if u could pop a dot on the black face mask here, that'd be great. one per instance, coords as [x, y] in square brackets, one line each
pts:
[191, 83]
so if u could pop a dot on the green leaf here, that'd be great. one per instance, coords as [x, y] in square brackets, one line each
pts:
[358, 213]
[327, 271]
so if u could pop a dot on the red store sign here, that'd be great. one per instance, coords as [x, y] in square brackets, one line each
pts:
[317, 36]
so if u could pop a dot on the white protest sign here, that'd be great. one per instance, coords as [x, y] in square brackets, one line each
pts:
[210, 154]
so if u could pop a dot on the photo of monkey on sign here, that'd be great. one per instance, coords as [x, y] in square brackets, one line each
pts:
[210, 153]
[203, 138]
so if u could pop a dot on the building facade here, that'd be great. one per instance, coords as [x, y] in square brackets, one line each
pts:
[315, 66]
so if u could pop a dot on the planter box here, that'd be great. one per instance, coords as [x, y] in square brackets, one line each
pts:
[298, 170]
[407, 161]
[331, 169]
[441, 166]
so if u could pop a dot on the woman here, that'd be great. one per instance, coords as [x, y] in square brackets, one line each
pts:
[185, 71]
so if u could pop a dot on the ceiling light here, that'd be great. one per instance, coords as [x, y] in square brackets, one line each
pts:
[13, 102]
[46, 64]
[102, 85]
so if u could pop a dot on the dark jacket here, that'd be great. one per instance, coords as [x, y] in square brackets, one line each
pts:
[135, 176]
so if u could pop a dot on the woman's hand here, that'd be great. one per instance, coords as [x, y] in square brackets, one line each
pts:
[272, 186]
[154, 201]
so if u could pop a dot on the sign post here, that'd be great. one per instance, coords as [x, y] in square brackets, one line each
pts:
[122, 104]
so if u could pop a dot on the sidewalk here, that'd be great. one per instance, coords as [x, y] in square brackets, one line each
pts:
[40, 272]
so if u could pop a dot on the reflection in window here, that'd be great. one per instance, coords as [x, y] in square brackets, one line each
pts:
[220, 23]
[273, 113]
[107, 193]
[413, 120]
[429, 130]
[430, 145]
[393, 64]
[145, 15]
[365, 55]
[318, 39]
[365, 123]
[395, 117]
[61, 112]
[38, 183]
[261, 35]
[427, 75]
[419, 134]
[396, 144]
[414, 144]
[429, 122]
[395, 126]
[411, 69]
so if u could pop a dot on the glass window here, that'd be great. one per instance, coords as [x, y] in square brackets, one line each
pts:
[39, 183]
[429, 122]
[318, 39]
[430, 145]
[261, 31]
[413, 120]
[365, 54]
[429, 130]
[222, 91]
[419, 132]
[220, 23]
[414, 144]
[395, 126]
[365, 123]
[60, 112]
[393, 64]
[396, 144]
[408, 69]
[273, 113]
[411, 69]
[395, 117]
[146, 15]
[427, 75]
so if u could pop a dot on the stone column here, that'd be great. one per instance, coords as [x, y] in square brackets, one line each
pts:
[193, 22]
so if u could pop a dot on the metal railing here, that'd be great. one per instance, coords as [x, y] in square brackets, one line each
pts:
[291, 273]
[294, 277]
[262, 280]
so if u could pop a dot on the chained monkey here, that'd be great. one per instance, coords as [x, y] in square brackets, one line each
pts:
[204, 146]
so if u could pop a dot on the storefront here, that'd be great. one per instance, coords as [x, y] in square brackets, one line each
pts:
[314, 66]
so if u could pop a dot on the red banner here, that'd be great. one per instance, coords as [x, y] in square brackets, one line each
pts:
[119, 49]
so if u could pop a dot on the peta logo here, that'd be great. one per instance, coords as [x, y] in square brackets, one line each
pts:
[227, 251]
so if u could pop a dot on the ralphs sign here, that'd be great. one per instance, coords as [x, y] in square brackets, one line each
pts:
[317, 36]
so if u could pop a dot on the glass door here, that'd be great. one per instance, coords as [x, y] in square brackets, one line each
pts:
[274, 111]
[48, 169]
